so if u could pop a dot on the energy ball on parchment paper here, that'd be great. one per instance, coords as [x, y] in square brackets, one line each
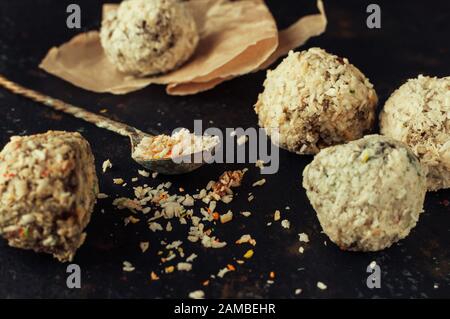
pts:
[367, 194]
[418, 114]
[313, 100]
[148, 37]
[48, 188]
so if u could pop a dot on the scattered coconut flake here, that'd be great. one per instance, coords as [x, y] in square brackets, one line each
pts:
[167, 184]
[102, 196]
[191, 258]
[182, 266]
[301, 250]
[246, 214]
[106, 164]
[174, 245]
[154, 226]
[127, 266]
[155, 174]
[242, 139]
[131, 219]
[285, 223]
[134, 179]
[172, 209]
[259, 164]
[169, 227]
[212, 242]
[169, 257]
[298, 291]
[277, 215]
[250, 198]
[261, 182]
[144, 245]
[246, 239]
[188, 201]
[118, 181]
[225, 218]
[227, 199]
[321, 285]
[222, 272]
[197, 294]
[143, 173]
[303, 237]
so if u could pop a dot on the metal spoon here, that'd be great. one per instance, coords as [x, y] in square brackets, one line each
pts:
[167, 166]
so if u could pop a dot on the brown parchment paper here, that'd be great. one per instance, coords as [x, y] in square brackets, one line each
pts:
[236, 37]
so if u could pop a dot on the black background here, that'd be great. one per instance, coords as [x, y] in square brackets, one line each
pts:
[414, 39]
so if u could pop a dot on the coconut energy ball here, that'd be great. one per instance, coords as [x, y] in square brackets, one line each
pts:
[48, 188]
[148, 37]
[418, 114]
[313, 100]
[367, 194]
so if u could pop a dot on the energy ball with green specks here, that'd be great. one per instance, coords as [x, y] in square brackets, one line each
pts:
[314, 99]
[149, 37]
[418, 114]
[367, 194]
[48, 188]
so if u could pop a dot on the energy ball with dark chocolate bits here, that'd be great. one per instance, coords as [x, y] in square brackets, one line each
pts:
[149, 37]
[48, 188]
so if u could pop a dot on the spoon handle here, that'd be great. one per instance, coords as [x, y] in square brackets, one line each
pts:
[98, 120]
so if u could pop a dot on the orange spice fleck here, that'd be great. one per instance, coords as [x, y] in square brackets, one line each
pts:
[154, 276]
[169, 269]
[249, 254]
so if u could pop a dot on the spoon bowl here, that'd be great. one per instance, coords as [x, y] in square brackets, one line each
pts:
[169, 166]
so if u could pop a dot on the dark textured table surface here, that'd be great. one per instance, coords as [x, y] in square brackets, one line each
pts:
[413, 39]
